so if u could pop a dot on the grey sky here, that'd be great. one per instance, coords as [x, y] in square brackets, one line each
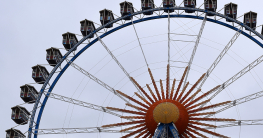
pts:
[30, 27]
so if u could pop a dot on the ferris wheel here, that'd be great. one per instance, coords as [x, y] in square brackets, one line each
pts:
[170, 83]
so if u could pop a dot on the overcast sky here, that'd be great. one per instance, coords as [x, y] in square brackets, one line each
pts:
[30, 27]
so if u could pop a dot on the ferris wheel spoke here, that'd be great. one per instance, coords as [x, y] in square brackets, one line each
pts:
[96, 80]
[116, 60]
[236, 77]
[75, 130]
[168, 92]
[139, 43]
[81, 103]
[239, 123]
[221, 55]
[195, 48]
[240, 101]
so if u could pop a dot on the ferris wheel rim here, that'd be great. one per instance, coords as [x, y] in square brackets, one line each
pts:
[116, 29]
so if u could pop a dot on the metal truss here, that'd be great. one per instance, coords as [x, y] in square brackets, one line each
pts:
[106, 130]
[169, 51]
[195, 48]
[81, 103]
[221, 55]
[75, 130]
[96, 80]
[240, 123]
[237, 76]
[240, 101]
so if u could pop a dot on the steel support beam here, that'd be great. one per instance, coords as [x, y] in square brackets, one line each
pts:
[240, 101]
[92, 77]
[195, 48]
[169, 54]
[81, 103]
[240, 123]
[236, 77]
[221, 55]
[106, 130]
[75, 130]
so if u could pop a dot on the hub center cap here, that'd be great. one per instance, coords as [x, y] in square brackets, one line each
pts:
[166, 113]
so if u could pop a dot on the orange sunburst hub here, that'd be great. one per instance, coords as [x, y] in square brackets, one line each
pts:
[168, 106]
[163, 108]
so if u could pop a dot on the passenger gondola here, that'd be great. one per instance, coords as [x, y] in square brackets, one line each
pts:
[190, 4]
[53, 56]
[14, 133]
[250, 19]
[69, 40]
[28, 93]
[210, 5]
[20, 115]
[231, 11]
[147, 5]
[40, 74]
[87, 27]
[126, 9]
[106, 16]
[168, 4]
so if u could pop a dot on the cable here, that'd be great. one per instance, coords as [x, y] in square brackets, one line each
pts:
[73, 106]
[139, 43]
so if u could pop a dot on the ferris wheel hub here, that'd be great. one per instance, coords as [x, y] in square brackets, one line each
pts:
[174, 112]
[166, 113]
